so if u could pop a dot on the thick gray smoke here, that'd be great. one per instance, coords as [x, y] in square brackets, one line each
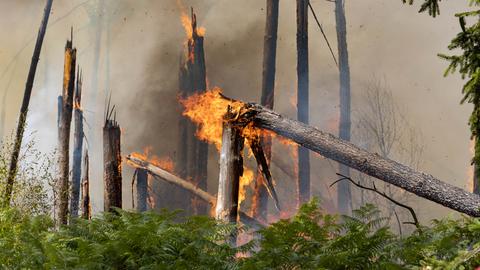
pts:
[141, 43]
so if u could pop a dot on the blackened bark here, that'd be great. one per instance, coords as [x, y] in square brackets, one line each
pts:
[142, 190]
[64, 133]
[268, 97]
[77, 149]
[26, 101]
[303, 184]
[86, 209]
[344, 190]
[112, 162]
[192, 156]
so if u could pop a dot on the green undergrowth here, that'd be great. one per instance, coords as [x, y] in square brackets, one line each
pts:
[309, 240]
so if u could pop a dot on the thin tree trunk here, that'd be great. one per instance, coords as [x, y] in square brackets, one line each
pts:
[77, 149]
[26, 101]
[331, 147]
[260, 199]
[86, 209]
[231, 169]
[142, 190]
[303, 185]
[344, 192]
[64, 133]
[112, 162]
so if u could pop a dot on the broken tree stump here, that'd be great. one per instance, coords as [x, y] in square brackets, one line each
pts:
[112, 162]
[77, 148]
[141, 190]
[192, 154]
[86, 208]
[64, 132]
[231, 169]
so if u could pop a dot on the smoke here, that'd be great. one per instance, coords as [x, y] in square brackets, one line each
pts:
[141, 44]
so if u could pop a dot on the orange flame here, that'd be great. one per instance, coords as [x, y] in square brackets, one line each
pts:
[165, 163]
[245, 181]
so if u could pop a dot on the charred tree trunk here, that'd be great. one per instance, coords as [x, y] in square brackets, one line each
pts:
[303, 185]
[142, 190]
[344, 190]
[77, 149]
[331, 147]
[231, 169]
[26, 101]
[64, 133]
[112, 162]
[86, 209]
[268, 96]
[193, 153]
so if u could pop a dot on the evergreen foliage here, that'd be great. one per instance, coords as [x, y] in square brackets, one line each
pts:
[310, 240]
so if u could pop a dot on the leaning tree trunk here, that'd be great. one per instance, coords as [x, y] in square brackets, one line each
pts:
[142, 190]
[112, 162]
[65, 121]
[331, 147]
[86, 209]
[260, 199]
[77, 149]
[192, 153]
[303, 184]
[344, 193]
[26, 101]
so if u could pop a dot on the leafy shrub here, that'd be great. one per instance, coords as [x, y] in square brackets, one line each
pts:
[310, 240]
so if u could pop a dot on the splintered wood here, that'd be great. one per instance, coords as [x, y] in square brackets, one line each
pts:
[112, 162]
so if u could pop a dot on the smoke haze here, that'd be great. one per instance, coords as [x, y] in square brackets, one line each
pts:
[141, 44]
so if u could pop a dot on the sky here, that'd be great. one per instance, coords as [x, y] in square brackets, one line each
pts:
[141, 43]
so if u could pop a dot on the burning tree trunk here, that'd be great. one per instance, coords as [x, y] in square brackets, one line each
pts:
[86, 209]
[329, 146]
[142, 190]
[26, 101]
[192, 153]
[344, 192]
[303, 184]
[64, 132]
[231, 169]
[260, 199]
[112, 162]
[77, 148]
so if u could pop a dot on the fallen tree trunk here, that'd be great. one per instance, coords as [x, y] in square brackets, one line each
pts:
[171, 178]
[329, 146]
